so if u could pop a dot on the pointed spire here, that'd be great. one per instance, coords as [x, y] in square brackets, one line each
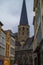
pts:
[24, 19]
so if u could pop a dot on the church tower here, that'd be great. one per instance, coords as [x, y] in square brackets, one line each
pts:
[23, 28]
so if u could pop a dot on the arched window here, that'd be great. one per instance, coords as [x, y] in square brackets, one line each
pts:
[23, 28]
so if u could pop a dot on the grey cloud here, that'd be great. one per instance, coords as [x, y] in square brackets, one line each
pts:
[10, 12]
[15, 9]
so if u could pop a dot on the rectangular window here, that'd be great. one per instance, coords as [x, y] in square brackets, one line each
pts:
[12, 51]
[39, 35]
[2, 51]
[2, 39]
[12, 42]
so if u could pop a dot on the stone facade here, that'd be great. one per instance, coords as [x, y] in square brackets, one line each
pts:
[23, 28]
[24, 49]
[23, 33]
[38, 32]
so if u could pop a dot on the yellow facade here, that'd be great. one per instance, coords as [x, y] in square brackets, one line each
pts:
[6, 62]
[7, 50]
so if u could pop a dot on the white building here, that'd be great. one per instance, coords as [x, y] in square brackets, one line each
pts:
[12, 49]
[2, 44]
[7, 46]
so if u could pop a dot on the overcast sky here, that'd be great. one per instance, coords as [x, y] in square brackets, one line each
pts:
[10, 12]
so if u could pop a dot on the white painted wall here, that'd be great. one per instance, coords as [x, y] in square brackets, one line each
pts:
[2, 43]
[12, 47]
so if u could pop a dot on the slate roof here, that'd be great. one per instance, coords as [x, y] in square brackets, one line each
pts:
[24, 19]
[29, 41]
